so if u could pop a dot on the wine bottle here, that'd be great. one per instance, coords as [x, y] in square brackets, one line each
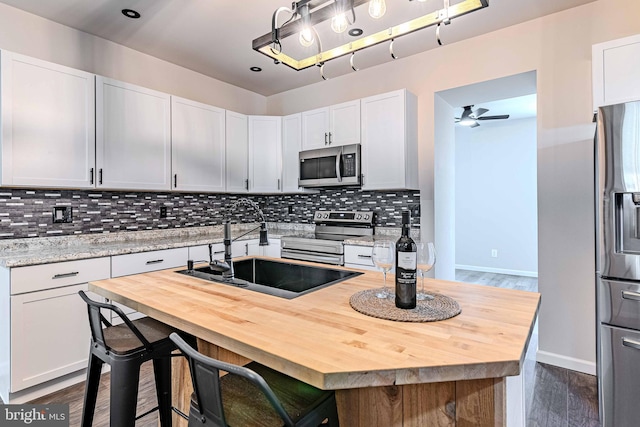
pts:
[406, 266]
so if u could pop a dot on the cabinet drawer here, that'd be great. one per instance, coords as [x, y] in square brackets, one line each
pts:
[124, 265]
[620, 303]
[360, 255]
[201, 253]
[48, 276]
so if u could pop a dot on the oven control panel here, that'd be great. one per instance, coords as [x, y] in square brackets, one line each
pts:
[355, 217]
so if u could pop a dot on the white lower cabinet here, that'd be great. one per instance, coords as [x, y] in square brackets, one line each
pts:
[144, 262]
[47, 330]
[359, 257]
[271, 250]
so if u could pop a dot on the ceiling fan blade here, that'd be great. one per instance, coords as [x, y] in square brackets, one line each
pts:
[475, 125]
[502, 117]
[479, 112]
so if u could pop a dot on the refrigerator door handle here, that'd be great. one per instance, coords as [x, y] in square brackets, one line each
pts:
[631, 343]
[631, 295]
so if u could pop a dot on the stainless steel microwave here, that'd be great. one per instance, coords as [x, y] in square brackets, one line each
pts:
[330, 167]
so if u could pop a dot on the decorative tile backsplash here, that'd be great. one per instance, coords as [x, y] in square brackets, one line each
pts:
[29, 213]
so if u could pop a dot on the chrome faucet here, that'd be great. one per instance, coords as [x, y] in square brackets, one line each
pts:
[226, 267]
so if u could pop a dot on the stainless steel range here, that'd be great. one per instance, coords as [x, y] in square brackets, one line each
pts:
[326, 244]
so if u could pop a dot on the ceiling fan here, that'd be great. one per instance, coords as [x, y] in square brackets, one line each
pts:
[470, 118]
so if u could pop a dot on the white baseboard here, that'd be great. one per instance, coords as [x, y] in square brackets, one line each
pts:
[497, 270]
[566, 362]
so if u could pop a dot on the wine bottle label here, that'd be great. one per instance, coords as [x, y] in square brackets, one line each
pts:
[407, 260]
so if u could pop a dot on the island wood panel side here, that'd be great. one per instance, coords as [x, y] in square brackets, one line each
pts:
[478, 403]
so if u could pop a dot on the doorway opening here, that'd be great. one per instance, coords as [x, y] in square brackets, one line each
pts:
[486, 183]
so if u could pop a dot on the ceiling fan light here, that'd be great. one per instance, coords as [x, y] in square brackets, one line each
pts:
[377, 8]
[467, 121]
[339, 23]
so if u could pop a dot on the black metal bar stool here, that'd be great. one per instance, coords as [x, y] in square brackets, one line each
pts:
[252, 396]
[125, 347]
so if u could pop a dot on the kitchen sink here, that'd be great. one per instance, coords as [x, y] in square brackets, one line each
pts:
[278, 278]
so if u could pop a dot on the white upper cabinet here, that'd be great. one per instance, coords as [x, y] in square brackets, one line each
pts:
[616, 67]
[335, 125]
[197, 146]
[265, 154]
[48, 124]
[237, 147]
[389, 141]
[133, 136]
[291, 144]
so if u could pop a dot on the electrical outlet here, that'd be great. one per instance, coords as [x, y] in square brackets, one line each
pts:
[290, 210]
[494, 253]
[62, 214]
[415, 211]
[163, 211]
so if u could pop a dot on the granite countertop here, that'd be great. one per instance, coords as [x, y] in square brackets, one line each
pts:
[23, 252]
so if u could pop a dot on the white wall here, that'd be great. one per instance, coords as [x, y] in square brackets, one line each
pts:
[28, 34]
[558, 48]
[496, 197]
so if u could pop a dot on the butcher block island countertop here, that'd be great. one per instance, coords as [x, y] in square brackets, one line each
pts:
[386, 373]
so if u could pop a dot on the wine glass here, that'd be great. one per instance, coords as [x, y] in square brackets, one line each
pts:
[383, 256]
[426, 260]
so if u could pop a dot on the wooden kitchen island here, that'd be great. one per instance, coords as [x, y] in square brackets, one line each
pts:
[385, 373]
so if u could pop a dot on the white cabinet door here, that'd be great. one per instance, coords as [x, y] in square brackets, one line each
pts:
[265, 154]
[133, 136]
[315, 129]
[344, 123]
[359, 257]
[201, 253]
[197, 146]
[272, 249]
[49, 335]
[291, 145]
[616, 67]
[48, 124]
[389, 141]
[335, 125]
[237, 147]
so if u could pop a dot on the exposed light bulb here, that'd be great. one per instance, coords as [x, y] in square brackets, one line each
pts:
[339, 23]
[306, 37]
[377, 8]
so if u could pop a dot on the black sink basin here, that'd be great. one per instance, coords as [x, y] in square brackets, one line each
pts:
[282, 279]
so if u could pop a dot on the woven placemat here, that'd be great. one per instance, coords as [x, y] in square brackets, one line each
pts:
[441, 307]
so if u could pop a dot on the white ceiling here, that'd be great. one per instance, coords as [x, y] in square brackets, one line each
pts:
[214, 37]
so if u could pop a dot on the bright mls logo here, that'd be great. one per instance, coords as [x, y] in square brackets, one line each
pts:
[34, 415]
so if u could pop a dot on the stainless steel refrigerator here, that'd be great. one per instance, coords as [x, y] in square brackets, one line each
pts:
[618, 263]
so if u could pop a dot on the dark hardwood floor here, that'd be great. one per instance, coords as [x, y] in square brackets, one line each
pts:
[555, 397]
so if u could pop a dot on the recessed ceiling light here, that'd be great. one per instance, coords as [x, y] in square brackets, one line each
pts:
[355, 32]
[130, 13]
[256, 69]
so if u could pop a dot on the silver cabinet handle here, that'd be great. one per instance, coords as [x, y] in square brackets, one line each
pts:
[218, 252]
[330, 141]
[155, 261]
[64, 275]
[246, 184]
[278, 183]
[631, 343]
[175, 181]
[365, 256]
[91, 179]
[635, 296]
[325, 138]
[100, 176]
